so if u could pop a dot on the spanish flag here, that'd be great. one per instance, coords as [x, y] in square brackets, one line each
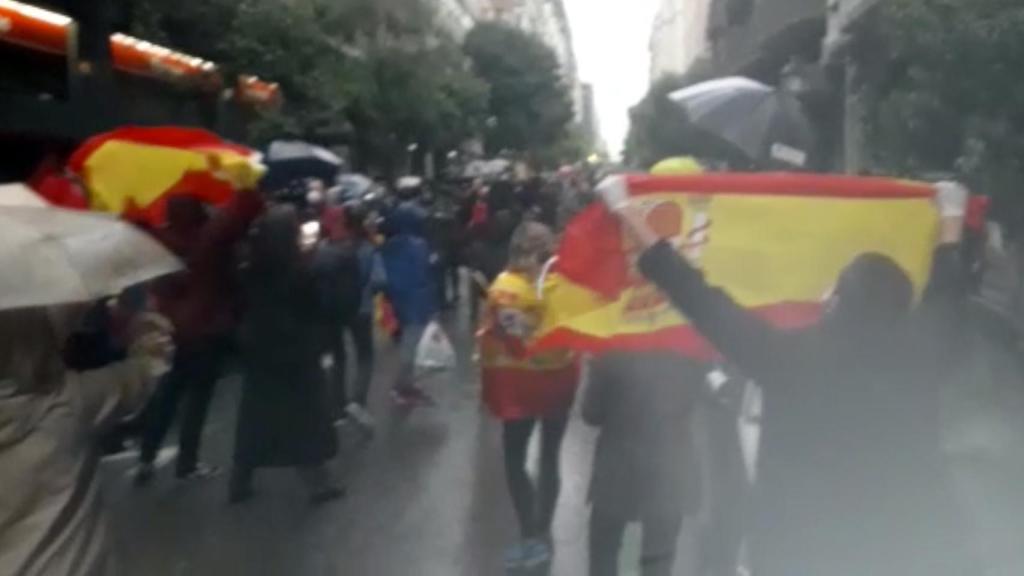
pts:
[132, 171]
[776, 242]
[516, 383]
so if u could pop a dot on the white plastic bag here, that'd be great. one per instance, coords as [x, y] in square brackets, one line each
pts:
[434, 351]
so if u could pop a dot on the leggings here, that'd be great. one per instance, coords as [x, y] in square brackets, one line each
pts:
[534, 506]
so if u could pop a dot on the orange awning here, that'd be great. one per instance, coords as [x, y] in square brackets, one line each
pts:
[48, 31]
[143, 58]
[33, 27]
[255, 92]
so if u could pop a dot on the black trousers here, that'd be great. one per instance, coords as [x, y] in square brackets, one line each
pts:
[361, 331]
[660, 533]
[194, 373]
[534, 505]
[337, 385]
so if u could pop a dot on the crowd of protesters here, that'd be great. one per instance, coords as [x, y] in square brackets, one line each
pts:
[850, 480]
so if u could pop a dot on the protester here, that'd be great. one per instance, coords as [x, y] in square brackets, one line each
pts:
[200, 304]
[372, 279]
[336, 271]
[442, 238]
[523, 390]
[490, 249]
[52, 520]
[410, 289]
[283, 416]
[851, 479]
[645, 463]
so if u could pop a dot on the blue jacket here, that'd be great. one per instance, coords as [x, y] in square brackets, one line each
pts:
[406, 257]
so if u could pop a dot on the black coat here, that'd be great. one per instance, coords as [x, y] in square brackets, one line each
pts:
[851, 478]
[335, 268]
[645, 462]
[283, 419]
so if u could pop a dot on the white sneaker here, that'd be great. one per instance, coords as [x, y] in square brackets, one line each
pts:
[360, 415]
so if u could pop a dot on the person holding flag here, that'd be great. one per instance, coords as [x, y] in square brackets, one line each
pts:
[523, 389]
[851, 477]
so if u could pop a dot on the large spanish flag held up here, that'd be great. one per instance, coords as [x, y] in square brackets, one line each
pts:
[132, 171]
[776, 242]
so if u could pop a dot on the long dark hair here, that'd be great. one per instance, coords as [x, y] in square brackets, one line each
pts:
[275, 241]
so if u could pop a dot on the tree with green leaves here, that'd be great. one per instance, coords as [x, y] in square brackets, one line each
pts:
[372, 74]
[529, 103]
[942, 97]
[427, 98]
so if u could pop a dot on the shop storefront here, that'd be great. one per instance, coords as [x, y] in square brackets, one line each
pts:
[56, 89]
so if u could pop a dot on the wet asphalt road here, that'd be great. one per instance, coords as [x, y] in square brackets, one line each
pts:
[427, 494]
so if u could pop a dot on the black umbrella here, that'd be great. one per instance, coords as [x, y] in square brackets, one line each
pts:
[288, 161]
[765, 124]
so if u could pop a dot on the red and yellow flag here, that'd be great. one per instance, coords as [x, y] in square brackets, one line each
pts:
[775, 242]
[132, 171]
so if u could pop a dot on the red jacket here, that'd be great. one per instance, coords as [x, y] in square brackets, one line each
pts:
[200, 301]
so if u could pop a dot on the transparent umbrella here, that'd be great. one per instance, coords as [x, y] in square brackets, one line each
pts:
[53, 256]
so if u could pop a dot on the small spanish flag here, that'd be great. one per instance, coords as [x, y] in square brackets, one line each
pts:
[776, 242]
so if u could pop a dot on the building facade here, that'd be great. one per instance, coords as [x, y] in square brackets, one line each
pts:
[679, 36]
[590, 125]
[844, 15]
[759, 38]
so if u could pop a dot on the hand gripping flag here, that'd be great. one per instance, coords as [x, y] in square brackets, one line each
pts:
[776, 242]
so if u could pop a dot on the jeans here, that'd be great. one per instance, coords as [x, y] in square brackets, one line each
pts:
[193, 375]
[534, 506]
[407, 344]
[657, 555]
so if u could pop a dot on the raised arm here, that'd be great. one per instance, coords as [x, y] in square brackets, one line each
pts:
[228, 226]
[743, 338]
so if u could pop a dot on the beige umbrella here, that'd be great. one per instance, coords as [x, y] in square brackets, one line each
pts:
[18, 194]
[51, 256]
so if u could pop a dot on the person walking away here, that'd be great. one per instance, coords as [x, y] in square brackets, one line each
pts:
[336, 272]
[283, 416]
[645, 462]
[52, 519]
[372, 279]
[442, 238]
[524, 390]
[410, 289]
[200, 304]
[851, 479]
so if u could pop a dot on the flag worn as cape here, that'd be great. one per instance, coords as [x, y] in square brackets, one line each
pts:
[776, 242]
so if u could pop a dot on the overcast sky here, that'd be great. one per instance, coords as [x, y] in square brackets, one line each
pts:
[611, 39]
